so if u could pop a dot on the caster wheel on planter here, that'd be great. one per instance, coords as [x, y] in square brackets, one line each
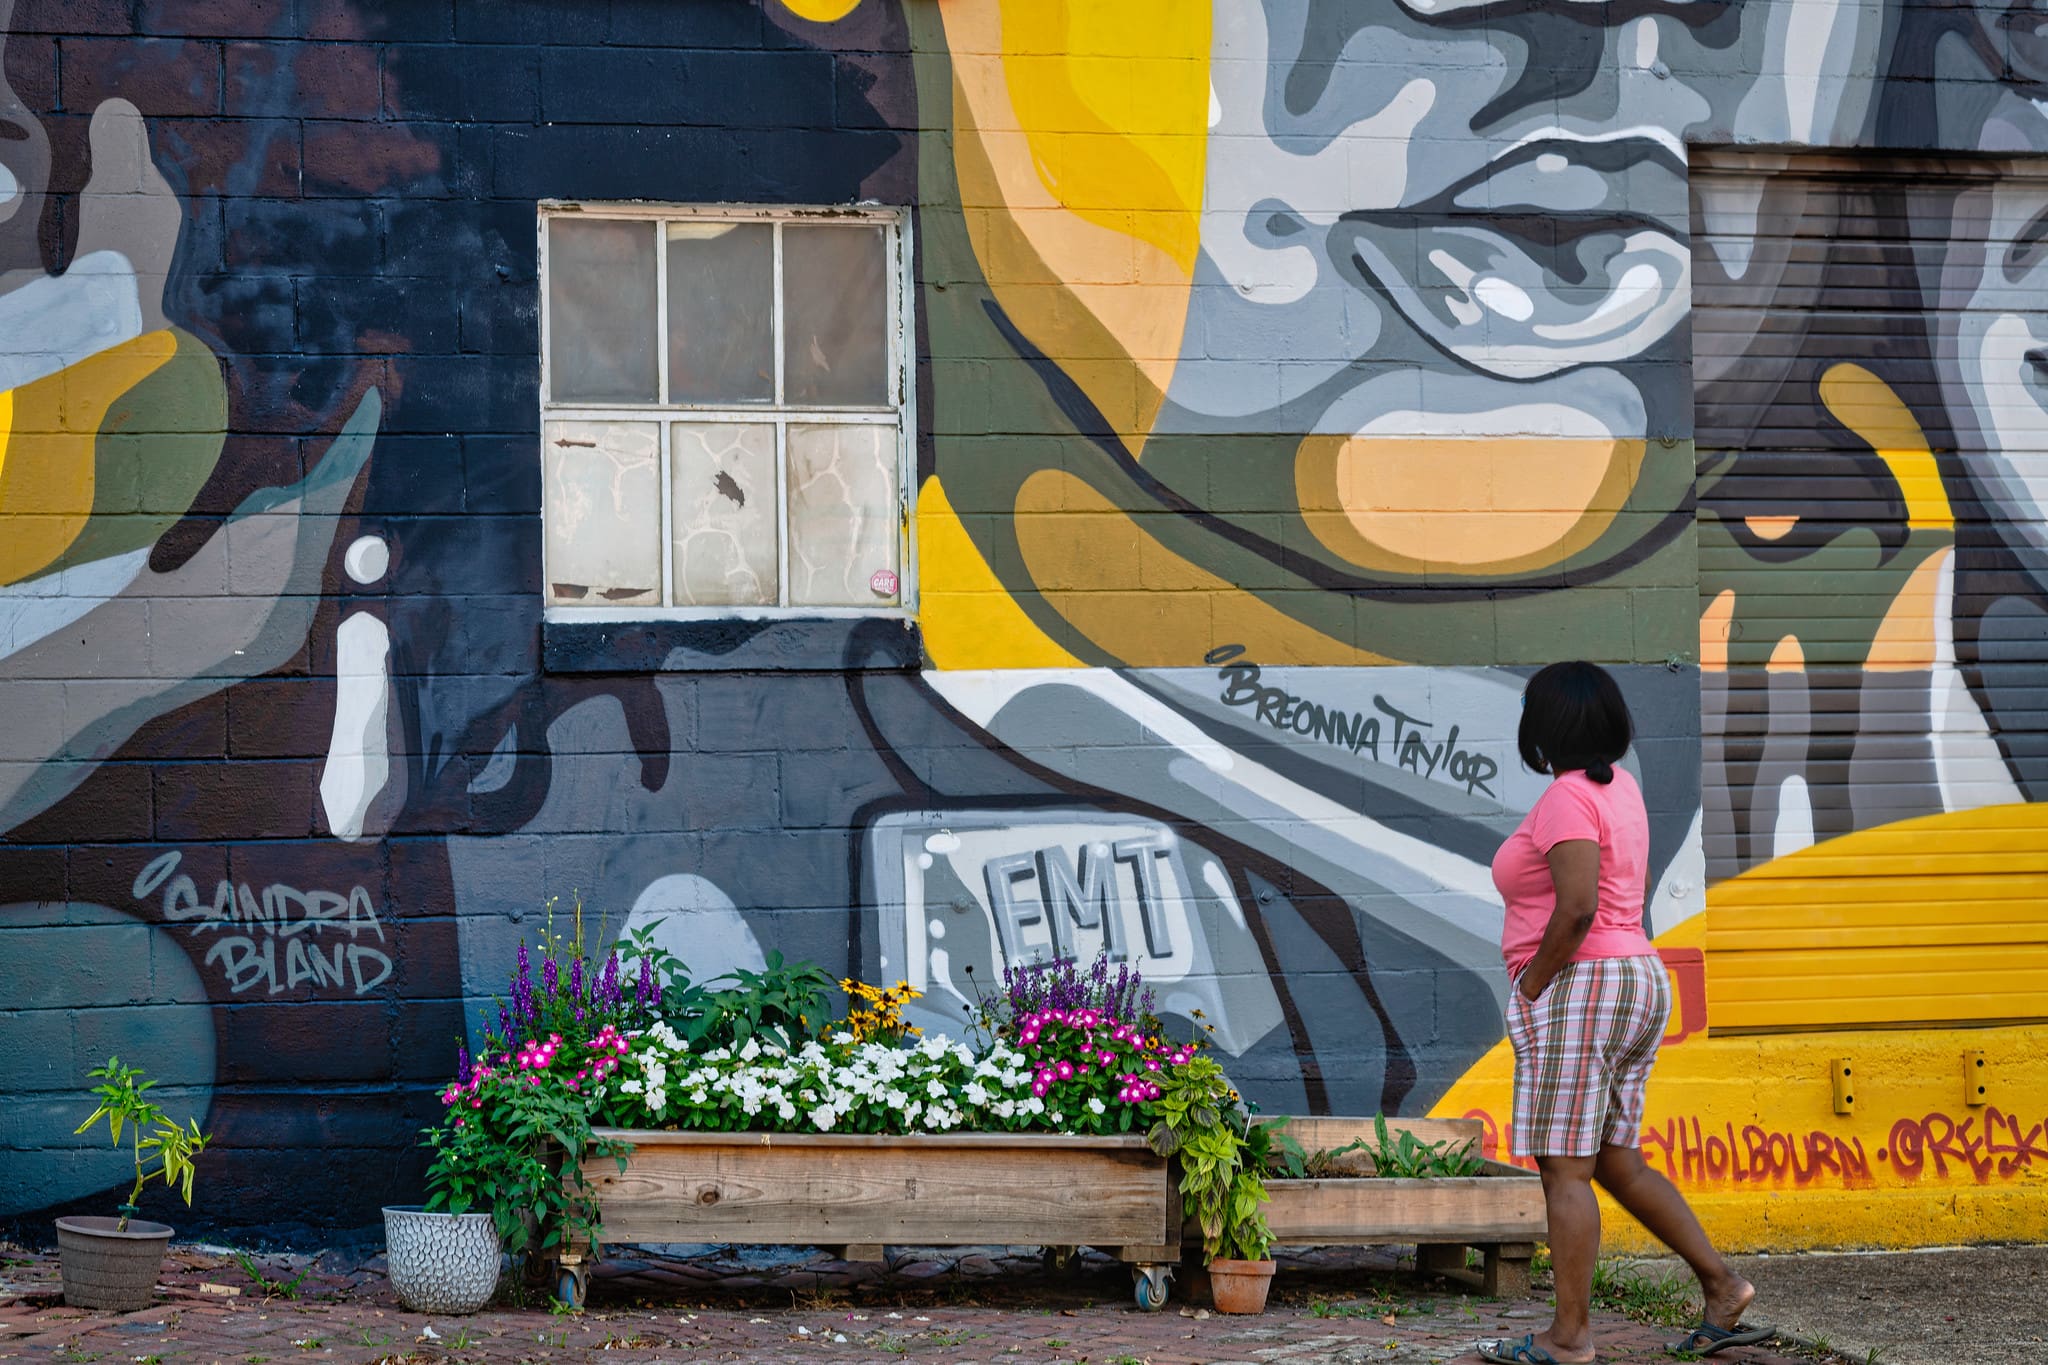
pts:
[572, 1288]
[1152, 1290]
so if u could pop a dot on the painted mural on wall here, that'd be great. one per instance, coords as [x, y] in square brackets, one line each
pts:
[1293, 379]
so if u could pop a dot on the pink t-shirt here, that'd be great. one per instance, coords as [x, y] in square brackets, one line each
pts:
[1574, 806]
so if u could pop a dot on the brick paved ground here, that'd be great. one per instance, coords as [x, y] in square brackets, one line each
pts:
[1333, 1309]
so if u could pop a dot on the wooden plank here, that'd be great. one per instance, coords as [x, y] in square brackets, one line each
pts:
[1329, 1132]
[660, 1137]
[940, 1192]
[1468, 1210]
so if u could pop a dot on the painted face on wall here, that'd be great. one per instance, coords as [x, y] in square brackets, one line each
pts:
[1996, 267]
[1402, 288]
[1444, 237]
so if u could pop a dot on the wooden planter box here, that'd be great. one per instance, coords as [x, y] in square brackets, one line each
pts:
[1500, 1213]
[862, 1192]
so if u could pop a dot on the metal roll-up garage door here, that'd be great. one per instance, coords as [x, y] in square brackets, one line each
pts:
[1870, 351]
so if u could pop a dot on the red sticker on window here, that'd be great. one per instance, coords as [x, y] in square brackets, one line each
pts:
[883, 582]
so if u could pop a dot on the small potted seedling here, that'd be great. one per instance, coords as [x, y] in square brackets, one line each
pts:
[113, 1263]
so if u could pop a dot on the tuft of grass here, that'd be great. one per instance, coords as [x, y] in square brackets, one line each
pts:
[1634, 1293]
[271, 1289]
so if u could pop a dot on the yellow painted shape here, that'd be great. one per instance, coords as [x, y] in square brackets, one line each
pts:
[1086, 230]
[1786, 657]
[1743, 1123]
[1867, 406]
[47, 482]
[821, 11]
[1491, 504]
[1943, 919]
[6, 429]
[969, 620]
[1770, 528]
[1115, 101]
[1140, 602]
[1717, 624]
[1904, 1165]
[1905, 639]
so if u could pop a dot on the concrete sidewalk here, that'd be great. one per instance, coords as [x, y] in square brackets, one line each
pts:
[1329, 1309]
[1959, 1306]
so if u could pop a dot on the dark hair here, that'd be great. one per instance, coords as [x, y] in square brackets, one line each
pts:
[1574, 718]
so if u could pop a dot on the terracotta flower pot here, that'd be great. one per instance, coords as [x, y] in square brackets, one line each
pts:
[1240, 1286]
[107, 1266]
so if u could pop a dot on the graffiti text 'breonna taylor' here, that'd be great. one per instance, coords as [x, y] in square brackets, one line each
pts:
[1354, 731]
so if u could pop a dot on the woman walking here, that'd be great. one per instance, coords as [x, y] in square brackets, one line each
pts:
[1587, 1006]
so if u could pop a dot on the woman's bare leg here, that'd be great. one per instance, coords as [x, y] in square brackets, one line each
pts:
[1656, 1203]
[1574, 1245]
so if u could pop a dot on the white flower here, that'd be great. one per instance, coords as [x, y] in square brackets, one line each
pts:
[631, 1087]
[1096, 1106]
[936, 1089]
[974, 1093]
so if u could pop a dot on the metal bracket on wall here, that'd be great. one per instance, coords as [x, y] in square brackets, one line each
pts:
[1845, 1090]
[1976, 1079]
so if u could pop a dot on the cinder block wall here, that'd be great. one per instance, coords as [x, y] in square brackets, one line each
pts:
[1287, 385]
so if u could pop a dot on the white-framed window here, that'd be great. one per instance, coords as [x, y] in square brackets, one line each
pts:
[725, 411]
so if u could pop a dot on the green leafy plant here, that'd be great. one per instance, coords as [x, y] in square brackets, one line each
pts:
[519, 1120]
[1399, 1157]
[1203, 1123]
[784, 1002]
[163, 1150]
[271, 1289]
[515, 1148]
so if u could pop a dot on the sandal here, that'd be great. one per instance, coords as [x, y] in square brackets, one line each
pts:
[1523, 1352]
[1707, 1339]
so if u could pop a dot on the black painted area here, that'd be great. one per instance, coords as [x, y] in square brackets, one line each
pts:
[825, 644]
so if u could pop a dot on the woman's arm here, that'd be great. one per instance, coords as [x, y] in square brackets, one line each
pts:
[1575, 872]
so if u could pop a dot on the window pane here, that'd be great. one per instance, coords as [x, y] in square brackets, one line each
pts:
[603, 513]
[836, 315]
[842, 516]
[601, 306]
[722, 492]
[721, 300]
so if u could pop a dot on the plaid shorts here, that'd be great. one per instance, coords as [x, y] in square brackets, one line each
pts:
[1583, 1051]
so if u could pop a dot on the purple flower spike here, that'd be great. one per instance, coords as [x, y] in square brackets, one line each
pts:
[576, 980]
[462, 1063]
[640, 988]
[611, 979]
[548, 976]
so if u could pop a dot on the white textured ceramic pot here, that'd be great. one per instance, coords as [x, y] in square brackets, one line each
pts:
[441, 1262]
